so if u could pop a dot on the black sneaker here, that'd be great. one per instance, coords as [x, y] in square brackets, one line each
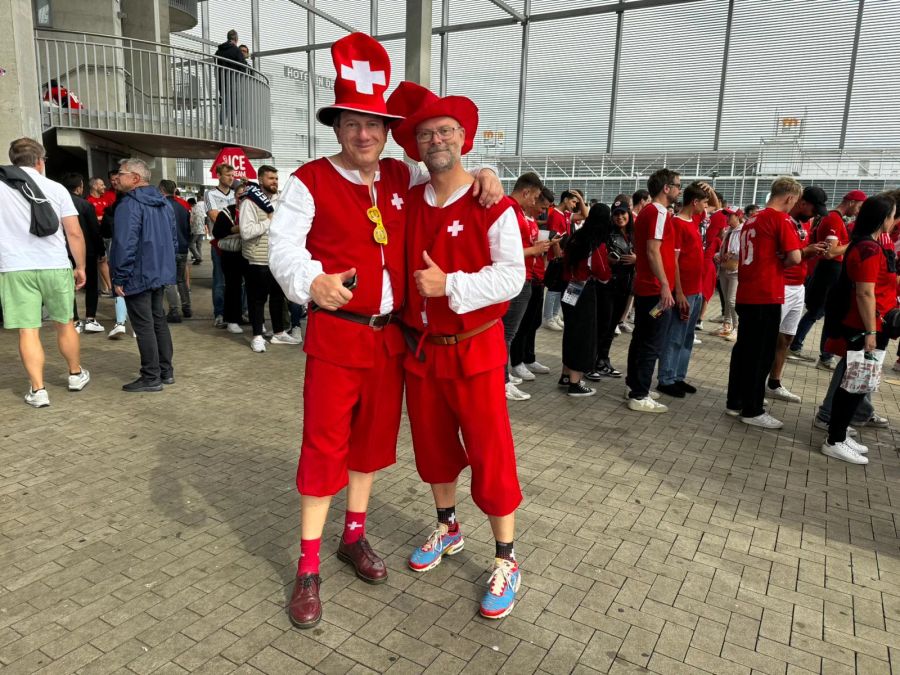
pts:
[608, 371]
[168, 380]
[594, 376]
[142, 385]
[186, 311]
[173, 317]
[685, 387]
[563, 381]
[578, 389]
[670, 390]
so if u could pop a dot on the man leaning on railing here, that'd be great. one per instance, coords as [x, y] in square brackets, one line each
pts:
[229, 61]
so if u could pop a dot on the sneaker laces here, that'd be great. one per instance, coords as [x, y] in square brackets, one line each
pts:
[500, 577]
[435, 541]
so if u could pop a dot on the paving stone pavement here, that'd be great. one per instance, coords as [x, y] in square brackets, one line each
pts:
[159, 532]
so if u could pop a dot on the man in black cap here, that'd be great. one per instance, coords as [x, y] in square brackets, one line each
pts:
[807, 212]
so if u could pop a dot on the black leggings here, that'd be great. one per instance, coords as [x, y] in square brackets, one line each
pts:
[612, 298]
[91, 288]
[261, 286]
[233, 267]
[845, 404]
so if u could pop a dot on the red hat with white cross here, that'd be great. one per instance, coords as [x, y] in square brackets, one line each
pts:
[363, 75]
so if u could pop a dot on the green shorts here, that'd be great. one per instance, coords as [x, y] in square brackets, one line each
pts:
[24, 292]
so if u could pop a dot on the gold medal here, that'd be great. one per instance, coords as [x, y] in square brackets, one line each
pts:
[379, 233]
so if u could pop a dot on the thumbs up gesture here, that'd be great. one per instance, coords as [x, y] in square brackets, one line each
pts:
[328, 290]
[431, 281]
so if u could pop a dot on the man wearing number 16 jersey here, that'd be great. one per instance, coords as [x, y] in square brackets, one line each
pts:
[769, 243]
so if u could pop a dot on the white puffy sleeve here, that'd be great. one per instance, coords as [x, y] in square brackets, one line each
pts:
[290, 262]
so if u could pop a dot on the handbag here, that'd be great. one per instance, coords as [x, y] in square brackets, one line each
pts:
[863, 373]
[231, 243]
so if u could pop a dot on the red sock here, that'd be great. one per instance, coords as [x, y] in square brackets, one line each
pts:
[354, 526]
[309, 556]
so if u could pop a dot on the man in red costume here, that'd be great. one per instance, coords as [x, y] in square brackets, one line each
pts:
[466, 263]
[337, 242]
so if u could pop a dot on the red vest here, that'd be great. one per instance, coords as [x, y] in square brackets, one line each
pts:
[341, 238]
[456, 238]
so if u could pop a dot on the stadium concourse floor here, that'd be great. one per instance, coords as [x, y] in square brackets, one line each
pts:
[159, 532]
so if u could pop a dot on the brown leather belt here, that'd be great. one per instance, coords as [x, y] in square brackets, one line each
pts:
[456, 339]
[375, 321]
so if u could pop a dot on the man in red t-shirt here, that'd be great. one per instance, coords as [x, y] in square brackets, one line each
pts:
[769, 244]
[654, 248]
[559, 222]
[525, 194]
[813, 203]
[827, 271]
[676, 355]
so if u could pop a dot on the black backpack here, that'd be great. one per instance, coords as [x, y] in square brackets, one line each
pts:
[44, 220]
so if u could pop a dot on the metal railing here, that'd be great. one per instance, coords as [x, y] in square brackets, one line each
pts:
[135, 86]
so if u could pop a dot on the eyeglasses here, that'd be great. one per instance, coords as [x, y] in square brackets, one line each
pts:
[444, 133]
[678, 185]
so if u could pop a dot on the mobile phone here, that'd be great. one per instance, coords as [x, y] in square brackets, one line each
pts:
[614, 255]
[350, 284]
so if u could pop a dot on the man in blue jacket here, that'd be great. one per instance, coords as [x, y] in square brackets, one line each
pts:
[142, 264]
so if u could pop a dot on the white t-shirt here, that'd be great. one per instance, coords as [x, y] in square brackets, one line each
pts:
[216, 200]
[21, 250]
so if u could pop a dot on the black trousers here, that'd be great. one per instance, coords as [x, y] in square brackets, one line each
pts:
[647, 343]
[233, 269]
[579, 348]
[845, 404]
[262, 287]
[612, 298]
[752, 357]
[522, 348]
[148, 320]
[91, 288]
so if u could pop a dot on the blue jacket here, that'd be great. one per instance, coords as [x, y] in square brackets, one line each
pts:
[182, 225]
[142, 255]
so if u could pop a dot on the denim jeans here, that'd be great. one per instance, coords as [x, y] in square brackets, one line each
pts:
[296, 313]
[552, 305]
[647, 343]
[676, 356]
[194, 246]
[218, 282]
[513, 318]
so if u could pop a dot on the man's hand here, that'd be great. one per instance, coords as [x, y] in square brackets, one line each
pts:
[682, 303]
[869, 345]
[488, 187]
[80, 278]
[710, 192]
[328, 291]
[628, 259]
[815, 250]
[120, 291]
[666, 301]
[431, 282]
[539, 248]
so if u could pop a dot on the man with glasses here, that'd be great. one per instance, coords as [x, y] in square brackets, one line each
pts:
[654, 279]
[35, 271]
[142, 262]
[336, 242]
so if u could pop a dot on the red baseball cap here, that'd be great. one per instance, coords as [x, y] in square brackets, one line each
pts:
[855, 196]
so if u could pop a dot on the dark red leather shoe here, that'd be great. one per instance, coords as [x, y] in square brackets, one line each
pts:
[369, 567]
[305, 608]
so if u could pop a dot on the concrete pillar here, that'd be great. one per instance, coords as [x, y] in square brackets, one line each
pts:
[19, 91]
[418, 42]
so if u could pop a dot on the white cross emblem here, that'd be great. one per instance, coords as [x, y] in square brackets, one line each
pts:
[354, 526]
[362, 75]
[397, 201]
[455, 228]
[452, 518]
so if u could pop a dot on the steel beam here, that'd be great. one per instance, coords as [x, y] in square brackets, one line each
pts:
[373, 17]
[310, 6]
[445, 46]
[310, 85]
[418, 42]
[523, 82]
[254, 33]
[614, 89]
[725, 52]
[848, 99]
[518, 16]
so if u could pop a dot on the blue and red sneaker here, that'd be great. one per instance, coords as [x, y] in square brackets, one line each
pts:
[441, 542]
[502, 588]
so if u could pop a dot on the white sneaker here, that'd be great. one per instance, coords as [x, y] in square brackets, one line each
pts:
[219, 322]
[514, 380]
[234, 328]
[698, 341]
[284, 338]
[118, 331]
[783, 394]
[653, 394]
[79, 381]
[766, 421]
[93, 326]
[521, 372]
[853, 444]
[617, 331]
[646, 405]
[843, 452]
[551, 325]
[79, 326]
[267, 333]
[538, 368]
[297, 333]
[258, 344]
[37, 399]
[625, 327]
[731, 412]
[559, 321]
[826, 364]
[821, 424]
[515, 394]
[699, 325]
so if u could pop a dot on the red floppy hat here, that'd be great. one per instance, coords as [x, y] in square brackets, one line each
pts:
[415, 104]
[363, 75]
[855, 196]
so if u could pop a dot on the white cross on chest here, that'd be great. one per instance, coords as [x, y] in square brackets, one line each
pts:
[362, 75]
[397, 201]
[455, 228]
[354, 526]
